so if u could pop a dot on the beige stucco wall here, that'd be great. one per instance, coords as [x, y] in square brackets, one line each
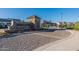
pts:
[32, 20]
[2, 30]
[36, 22]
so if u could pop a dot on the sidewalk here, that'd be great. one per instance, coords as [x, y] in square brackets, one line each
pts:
[68, 44]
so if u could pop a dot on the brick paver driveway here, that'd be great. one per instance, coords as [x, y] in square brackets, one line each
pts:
[31, 40]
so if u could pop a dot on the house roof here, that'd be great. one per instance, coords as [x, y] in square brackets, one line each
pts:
[8, 19]
[4, 20]
[33, 17]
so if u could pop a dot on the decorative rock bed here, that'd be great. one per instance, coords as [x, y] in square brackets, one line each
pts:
[29, 41]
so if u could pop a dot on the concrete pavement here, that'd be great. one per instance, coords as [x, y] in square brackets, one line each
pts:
[70, 43]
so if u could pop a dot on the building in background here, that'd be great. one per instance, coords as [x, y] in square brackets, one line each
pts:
[5, 22]
[33, 23]
[18, 26]
[35, 20]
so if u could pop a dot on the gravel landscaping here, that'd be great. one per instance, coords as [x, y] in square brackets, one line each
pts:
[29, 41]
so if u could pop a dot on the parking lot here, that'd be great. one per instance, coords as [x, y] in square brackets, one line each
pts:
[28, 41]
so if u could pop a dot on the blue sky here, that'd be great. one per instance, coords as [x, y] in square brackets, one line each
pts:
[53, 14]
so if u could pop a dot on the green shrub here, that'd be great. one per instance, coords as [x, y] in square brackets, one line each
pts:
[45, 26]
[76, 26]
[68, 26]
